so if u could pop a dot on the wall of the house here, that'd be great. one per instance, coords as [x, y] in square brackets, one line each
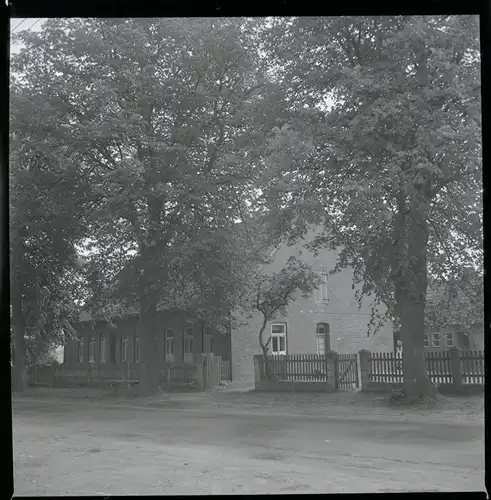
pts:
[475, 339]
[128, 328]
[347, 322]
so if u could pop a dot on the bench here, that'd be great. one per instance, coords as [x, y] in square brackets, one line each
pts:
[121, 387]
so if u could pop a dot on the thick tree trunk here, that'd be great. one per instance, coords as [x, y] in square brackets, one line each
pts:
[19, 331]
[410, 297]
[149, 363]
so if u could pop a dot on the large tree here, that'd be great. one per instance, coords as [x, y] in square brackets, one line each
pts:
[49, 199]
[167, 116]
[385, 147]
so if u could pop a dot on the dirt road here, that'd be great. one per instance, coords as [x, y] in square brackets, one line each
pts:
[81, 449]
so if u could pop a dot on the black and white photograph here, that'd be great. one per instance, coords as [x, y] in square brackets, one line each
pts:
[246, 255]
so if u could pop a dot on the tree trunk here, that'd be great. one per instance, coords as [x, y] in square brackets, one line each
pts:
[150, 366]
[410, 296]
[267, 371]
[19, 331]
[264, 348]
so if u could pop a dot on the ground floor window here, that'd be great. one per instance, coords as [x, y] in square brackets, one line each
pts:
[321, 332]
[80, 349]
[188, 346]
[103, 349]
[124, 349]
[435, 342]
[137, 347]
[278, 338]
[92, 350]
[208, 341]
[169, 345]
[427, 340]
[449, 342]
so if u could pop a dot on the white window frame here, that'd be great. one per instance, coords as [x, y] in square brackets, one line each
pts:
[81, 345]
[137, 346]
[435, 340]
[321, 335]
[124, 349]
[169, 345]
[92, 343]
[320, 343]
[449, 336]
[322, 295]
[188, 353]
[208, 343]
[426, 341]
[103, 348]
[278, 335]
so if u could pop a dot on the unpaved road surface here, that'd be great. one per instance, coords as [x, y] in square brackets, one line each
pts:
[87, 448]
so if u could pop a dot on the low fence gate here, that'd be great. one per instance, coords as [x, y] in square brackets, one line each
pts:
[348, 372]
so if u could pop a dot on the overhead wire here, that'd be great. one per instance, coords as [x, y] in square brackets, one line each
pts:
[30, 27]
[25, 19]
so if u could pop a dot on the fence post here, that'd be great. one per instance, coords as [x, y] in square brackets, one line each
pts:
[364, 368]
[455, 366]
[53, 375]
[257, 370]
[333, 369]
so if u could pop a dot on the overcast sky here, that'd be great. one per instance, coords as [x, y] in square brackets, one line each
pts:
[27, 22]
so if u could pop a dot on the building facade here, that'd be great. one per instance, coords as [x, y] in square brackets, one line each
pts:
[179, 341]
[329, 319]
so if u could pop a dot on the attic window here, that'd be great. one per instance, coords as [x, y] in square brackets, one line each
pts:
[321, 294]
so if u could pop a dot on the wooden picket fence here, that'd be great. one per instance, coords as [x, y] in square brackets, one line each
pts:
[183, 375]
[438, 367]
[226, 372]
[387, 367]
[296, 367]
[41, 375]
[472, 367]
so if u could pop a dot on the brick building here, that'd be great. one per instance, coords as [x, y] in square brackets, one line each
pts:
[330, 315]
[179, 340]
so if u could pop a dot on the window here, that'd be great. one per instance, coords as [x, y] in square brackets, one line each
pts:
[435, 340]
[278, 338]
[103, 349]
[208, 347]
[188, 345]
[169, 345]
[321, 294]
[80, 349]
[322, 331]
[124, 349]
[427, 340]
[137, 347]
[92, 350]
[449, 340]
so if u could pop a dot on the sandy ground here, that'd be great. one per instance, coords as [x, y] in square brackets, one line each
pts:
[239, 444]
